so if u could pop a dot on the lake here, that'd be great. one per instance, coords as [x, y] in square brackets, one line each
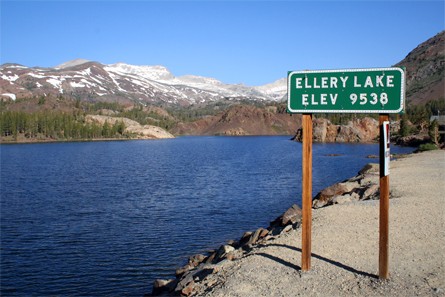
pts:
[107, 218]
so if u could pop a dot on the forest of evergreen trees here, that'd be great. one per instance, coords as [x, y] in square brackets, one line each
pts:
[53, 125]
[56, 125]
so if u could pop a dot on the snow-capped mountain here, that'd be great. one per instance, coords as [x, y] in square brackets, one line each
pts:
[86, 80]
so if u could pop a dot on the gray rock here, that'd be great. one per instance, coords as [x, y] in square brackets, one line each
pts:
[245, 238]
[325, 197]
[370, 168]
[184, 269]
[184, 281]
[291, 216]
[370, 192]
[223, 251]
[161, 286]
[210, 258]
[188, 290]
[259, 233]
[369, 179]
[196, 260]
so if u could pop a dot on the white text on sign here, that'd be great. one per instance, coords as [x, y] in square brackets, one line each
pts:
[332, 82]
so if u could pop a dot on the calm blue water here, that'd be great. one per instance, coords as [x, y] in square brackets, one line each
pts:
[107, 218]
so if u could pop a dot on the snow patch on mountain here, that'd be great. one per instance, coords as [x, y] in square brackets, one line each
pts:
[86, 71]
[148, 72]
[277, 89]
[12, 96]
[56, 83]
[194, 79]
[77, 85]
[10, 78]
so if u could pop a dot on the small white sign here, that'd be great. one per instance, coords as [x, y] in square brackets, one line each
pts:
[386, 144]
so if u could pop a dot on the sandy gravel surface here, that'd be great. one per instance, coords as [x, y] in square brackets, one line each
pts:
[345, 244]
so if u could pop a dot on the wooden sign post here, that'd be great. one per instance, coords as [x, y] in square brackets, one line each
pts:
[307, 193]
[384, 197]
[374, 90]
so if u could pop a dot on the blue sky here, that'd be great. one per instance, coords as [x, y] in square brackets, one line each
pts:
[249, 42]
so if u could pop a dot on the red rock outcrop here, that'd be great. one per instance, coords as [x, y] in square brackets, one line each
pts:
[358, 130]
[243, 120]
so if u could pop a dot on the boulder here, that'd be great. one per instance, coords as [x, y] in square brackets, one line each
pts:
[161, 286]
[325, 197]
[194, 281]
[232, 242]
[184, 269]
[245, 238]
[291, 216]
[223, 251]
[196, 260]
[184, 282]
[369, 179]
[233, 255]
[264, 233]
[363, 186]
[371, 192]
[210, 258]
[188, 290]
[370, 168]
[259, 233]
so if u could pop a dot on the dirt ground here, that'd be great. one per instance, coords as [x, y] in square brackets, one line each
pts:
[345, 245]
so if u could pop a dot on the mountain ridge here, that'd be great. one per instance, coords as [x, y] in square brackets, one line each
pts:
[93, 81]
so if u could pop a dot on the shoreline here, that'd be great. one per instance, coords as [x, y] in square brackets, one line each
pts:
[35, 141]
[221, 272]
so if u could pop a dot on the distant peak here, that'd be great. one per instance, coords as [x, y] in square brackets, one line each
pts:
[72, 63]
[151, 72]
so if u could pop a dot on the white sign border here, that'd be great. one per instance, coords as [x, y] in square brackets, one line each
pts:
[402, 90]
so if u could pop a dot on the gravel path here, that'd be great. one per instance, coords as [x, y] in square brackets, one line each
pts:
[345, 243]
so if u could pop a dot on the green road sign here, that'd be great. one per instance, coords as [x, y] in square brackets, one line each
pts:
[373, 90]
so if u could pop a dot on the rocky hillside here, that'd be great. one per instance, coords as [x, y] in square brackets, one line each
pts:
[425, 71]
[243, 120]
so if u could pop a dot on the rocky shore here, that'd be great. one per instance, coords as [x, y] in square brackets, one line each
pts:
[203, 272]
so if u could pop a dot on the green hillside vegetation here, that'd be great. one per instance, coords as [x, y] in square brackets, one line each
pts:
[53, 125]
[18, 123]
